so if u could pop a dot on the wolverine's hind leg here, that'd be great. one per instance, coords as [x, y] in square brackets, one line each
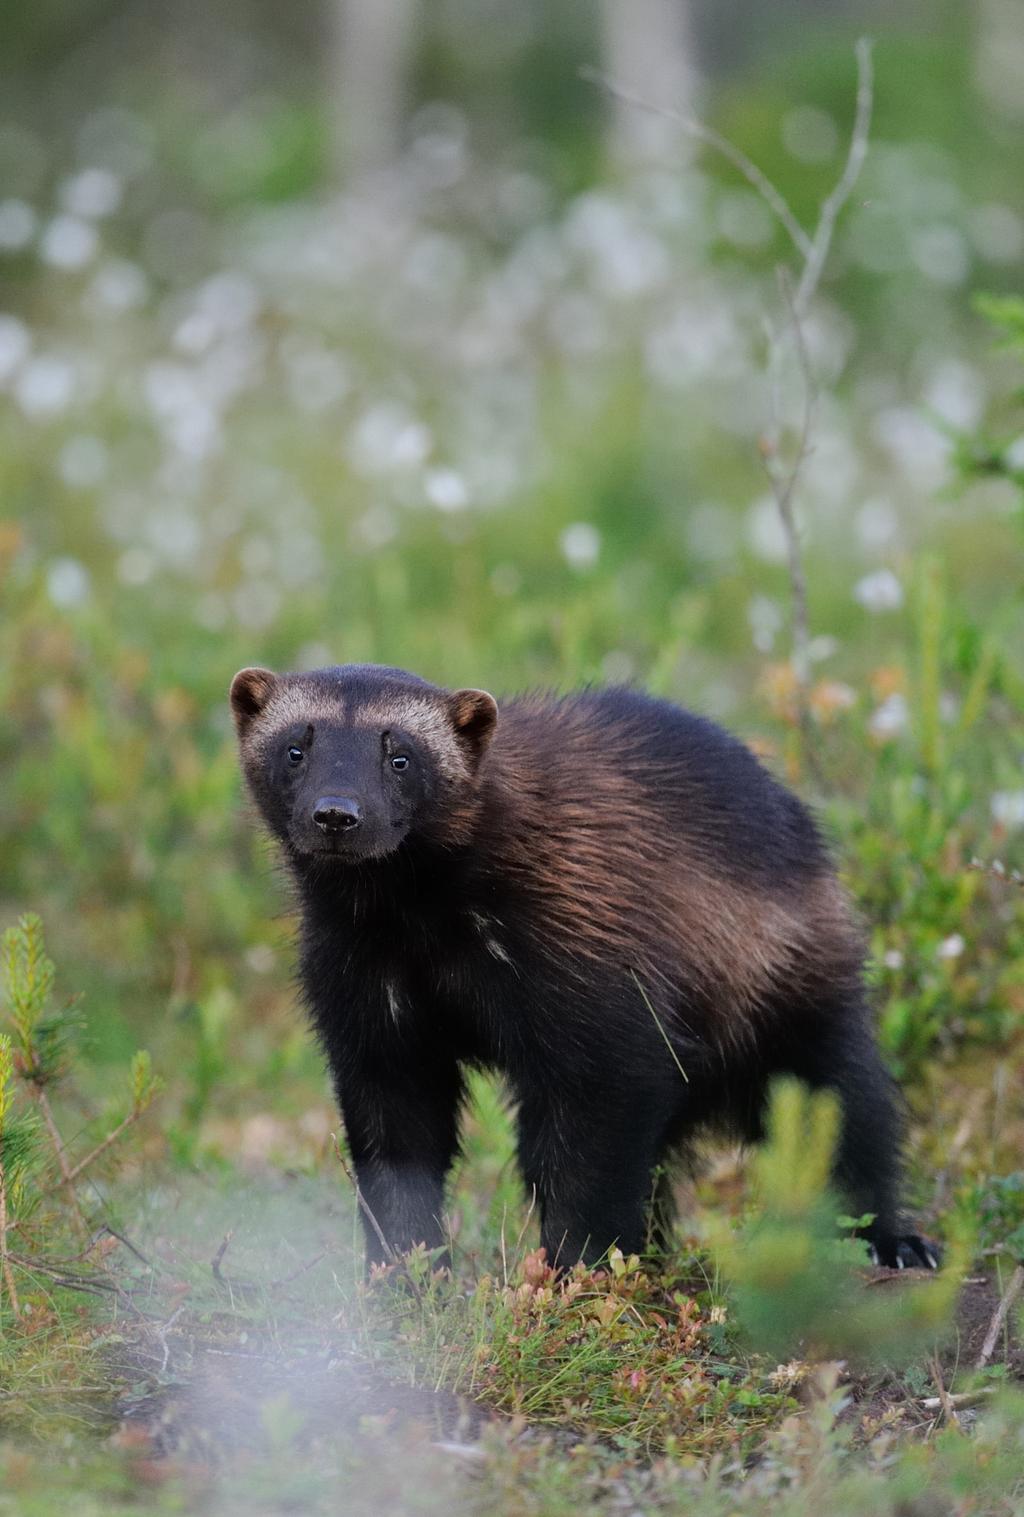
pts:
[839, 1053]
[589, 1152]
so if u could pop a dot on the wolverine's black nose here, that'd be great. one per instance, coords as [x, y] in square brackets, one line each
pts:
[336, 813]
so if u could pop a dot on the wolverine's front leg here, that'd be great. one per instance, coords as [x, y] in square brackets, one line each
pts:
[401, 1119]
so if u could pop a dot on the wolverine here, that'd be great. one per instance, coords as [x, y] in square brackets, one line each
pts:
[602, 896]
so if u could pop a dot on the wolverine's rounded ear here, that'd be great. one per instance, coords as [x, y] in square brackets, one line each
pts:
[250, 691]
[474, 716]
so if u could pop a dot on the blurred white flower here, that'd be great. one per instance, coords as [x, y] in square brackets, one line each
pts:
[876, 523]
[1008, 808]
[951, 947]
[260, 958]
[15, 345]
[915, 445]
[766, 532]
[316, 379]
[956, 392]
[765, 618]
[117, 285]
[67, 583]
[997, 232]
[942, 254]
[376, 527]
[446, 489]
[822, 647]
[92, 193]
[580, 545]
[17, 225]
[892, 958]
[69, 243]
[45, 386]
[82, 461]
[880, 591]
[890, 718]
[1014, 455]
[387, 437]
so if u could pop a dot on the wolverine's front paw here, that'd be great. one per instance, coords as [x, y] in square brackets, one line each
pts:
[905, 1251]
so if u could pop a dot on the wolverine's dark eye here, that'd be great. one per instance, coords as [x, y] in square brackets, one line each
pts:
[295, 755]
[399, 762]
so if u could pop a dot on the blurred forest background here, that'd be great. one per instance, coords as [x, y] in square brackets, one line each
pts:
[374, 330]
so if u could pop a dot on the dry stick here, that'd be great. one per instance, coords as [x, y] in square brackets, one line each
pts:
[783, 484]
[946, 1404]
[67, 1174]
[364, 1205]
[5, 1258]
[815, 258]
[813, 251]
[959, 1402]
[112, 1137]
[754, 176]
[222, 1249]
[995, 1327]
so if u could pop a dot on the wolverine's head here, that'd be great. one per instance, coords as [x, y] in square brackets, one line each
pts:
[346, 763]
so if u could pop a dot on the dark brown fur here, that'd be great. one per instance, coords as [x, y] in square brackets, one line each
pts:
[553, 891]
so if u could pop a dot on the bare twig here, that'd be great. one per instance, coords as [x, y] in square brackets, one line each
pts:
[943, 1402]
[67, 1174]
[999, 1316]
[958, 1403]
[754, 176]
[296, 1274]
[162, 1329]
[998, 871]
[821, 242]
[5, 1258]
[101, 1148]
[218, 1257]
[783, 481]
[813, 250]
[364, 1205]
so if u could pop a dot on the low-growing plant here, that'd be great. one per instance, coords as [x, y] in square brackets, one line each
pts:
[40, 1191]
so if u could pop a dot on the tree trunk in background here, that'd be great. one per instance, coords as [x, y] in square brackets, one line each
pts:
[648, 49]
[370, 49]
[999, 59]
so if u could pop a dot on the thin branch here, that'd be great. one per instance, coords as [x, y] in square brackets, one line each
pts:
[813, 250]
[754, 176]
[67, 1174]
[216, 1261]
[5, 1258]
[998, 870]
[816, 256]
[784, 483]
[364, 1205]
[949, 1404]
[995, 1327]
[101, 1148]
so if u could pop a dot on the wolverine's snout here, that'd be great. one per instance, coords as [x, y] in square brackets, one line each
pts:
[337, 813]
